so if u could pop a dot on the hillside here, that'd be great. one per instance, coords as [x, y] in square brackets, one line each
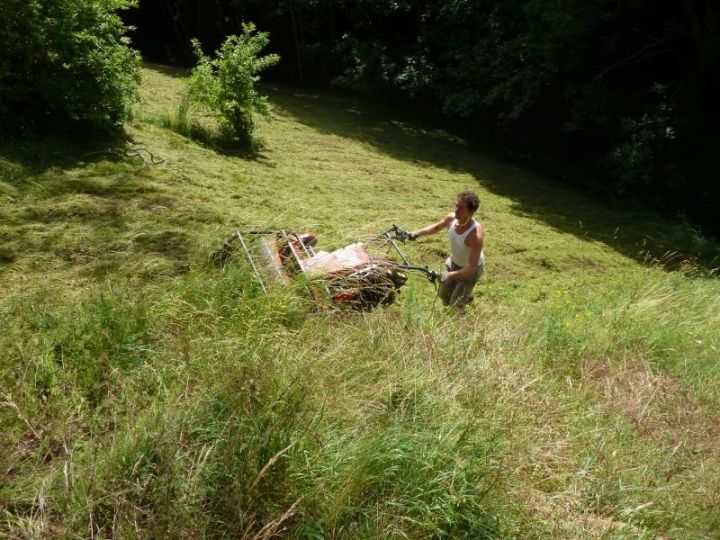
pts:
[149, 393]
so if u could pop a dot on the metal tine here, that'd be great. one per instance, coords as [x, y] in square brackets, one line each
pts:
[261, 232]
[252, 262]
[394, 244]
[300, 265]
[292, 250]
[302, 244]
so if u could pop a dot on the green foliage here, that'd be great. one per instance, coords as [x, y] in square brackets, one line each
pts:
[369, 66]
[110, 332]
[107, 334]
[642, 157]
[66, 64]
[504, 56]
[425, 477]
[226, 84]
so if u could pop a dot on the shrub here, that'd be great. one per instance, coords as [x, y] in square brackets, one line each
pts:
[644, 155]
[66, 63]
[370, 66]
[226, 84]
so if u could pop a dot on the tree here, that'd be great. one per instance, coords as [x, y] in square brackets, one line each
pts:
[66, 64]
[226, 84]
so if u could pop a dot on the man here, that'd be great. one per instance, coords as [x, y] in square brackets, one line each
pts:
[466, 262]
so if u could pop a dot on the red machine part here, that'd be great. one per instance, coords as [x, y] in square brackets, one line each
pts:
[307, 239]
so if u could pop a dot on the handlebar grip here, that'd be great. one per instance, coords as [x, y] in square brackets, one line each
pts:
[401, 234]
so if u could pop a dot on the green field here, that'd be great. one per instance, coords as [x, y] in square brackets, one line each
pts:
[148, 393]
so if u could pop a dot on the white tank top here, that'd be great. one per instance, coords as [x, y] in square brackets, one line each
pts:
[459, 252]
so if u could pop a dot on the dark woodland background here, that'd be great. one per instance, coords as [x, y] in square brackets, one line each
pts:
[624, 92]
[630, 86]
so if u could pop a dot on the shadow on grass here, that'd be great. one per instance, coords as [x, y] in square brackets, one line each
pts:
[633, 229]
[250, 150]
[170, 71]
[211, 138]
[70, 203]
[54, 166]
[24, 158]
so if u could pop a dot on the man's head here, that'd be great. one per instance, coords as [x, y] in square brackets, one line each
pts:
[467, 200]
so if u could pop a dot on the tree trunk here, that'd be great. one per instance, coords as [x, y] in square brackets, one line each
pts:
[178, 27]
[296, 39]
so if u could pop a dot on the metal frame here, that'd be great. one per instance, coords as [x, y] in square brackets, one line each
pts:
[239, 236]
[402, 235]
[392, 234]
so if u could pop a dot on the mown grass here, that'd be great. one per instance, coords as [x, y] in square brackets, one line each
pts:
[146, 392]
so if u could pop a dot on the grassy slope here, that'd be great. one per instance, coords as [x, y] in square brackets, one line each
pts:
[145, 391]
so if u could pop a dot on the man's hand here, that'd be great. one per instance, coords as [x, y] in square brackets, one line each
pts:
[444, 276]
[413, 235]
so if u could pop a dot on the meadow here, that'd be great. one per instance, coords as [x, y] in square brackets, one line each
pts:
[147, 392]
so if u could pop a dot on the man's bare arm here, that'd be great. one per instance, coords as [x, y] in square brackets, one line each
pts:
[435, 227]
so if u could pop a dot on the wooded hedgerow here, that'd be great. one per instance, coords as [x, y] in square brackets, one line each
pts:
[628, 87]
[66, 64]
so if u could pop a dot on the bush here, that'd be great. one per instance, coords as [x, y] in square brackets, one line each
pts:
[370, 66]
[226, 85]
[66, 63]
[645, 153]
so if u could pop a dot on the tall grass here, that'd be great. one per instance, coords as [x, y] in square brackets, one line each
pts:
[147, 393]
[227, 433]
[205, 406]
[660, 318]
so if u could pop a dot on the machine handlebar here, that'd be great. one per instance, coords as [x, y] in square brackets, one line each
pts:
[432, 275]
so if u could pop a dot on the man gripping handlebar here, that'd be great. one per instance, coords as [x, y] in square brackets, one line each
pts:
[466, 262]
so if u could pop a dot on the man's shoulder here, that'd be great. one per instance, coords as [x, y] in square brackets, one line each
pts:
[479, 232]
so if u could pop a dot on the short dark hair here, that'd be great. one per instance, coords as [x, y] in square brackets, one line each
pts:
[471, 199]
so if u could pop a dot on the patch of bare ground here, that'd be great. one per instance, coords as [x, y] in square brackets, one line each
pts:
[581, 261]
[656, 404]
[40, 446]
[541, 468]
[21, 450]
[574, 478]
[562, 516]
